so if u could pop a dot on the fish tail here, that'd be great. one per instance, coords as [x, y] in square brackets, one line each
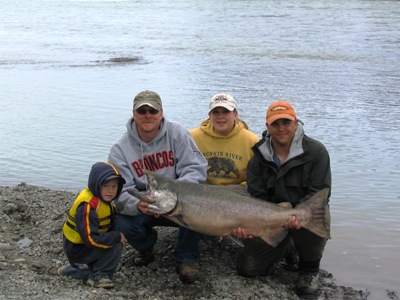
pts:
[317, 221]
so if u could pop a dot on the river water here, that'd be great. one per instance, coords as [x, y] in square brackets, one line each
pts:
[69, 71]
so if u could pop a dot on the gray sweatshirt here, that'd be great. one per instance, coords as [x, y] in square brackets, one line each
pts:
[173, 153]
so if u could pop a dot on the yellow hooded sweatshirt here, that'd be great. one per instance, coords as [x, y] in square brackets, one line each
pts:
[227, 156]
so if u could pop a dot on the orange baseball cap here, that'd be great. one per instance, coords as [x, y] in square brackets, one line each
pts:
[280, 109]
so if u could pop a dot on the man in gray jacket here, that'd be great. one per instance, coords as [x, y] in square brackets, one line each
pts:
[154, 143]
[287, 166]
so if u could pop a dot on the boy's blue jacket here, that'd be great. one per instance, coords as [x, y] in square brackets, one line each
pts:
[89, 220]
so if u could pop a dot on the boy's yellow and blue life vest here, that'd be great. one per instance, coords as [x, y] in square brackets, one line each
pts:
[104, 213]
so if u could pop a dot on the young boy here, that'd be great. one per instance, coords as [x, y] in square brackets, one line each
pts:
[88, 235]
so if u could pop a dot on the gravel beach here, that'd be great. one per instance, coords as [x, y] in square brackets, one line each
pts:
[31, 251]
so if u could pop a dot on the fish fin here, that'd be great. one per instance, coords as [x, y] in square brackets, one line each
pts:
[274, 237]
[235, 240]
[178, 218]
[285, 204]
[238, 188]
[317, 204]
[242, 192]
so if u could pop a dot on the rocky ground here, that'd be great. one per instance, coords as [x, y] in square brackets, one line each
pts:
[31, 251]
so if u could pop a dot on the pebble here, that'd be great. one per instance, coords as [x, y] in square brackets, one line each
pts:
[5, 246]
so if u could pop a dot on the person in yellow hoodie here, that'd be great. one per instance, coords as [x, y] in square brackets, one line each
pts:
[91, 244]
[225, 141]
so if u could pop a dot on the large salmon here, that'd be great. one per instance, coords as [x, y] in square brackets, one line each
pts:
[217, 210]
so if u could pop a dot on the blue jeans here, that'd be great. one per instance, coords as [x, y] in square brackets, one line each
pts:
[77, 271]
[139, 232]
[102, 263]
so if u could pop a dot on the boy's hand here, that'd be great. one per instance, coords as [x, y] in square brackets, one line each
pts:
[123, 239]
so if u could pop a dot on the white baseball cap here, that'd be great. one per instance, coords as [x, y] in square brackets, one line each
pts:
[222, 100]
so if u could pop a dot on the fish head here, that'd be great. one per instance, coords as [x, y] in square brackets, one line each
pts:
[160, 197]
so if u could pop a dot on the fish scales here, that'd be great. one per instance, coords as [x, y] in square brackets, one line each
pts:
[217, 210]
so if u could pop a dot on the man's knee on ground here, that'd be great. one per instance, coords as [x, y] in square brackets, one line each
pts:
[247, 266]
